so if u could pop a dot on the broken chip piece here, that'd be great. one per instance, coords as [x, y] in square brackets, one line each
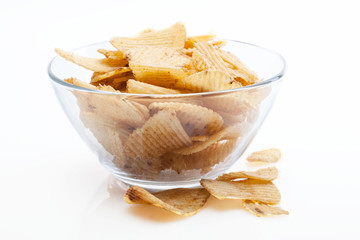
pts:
[265, 174]
[262, 209]
[271, 155]
[249, 189]
[182, 201]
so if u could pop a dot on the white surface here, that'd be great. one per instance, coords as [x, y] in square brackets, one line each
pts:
[52, 187]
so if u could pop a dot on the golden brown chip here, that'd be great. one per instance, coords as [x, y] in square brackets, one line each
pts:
[249, 189]
[262, 209]
[240, 71]
[108, 134]
[117, 81]
[160, 134]
[265, 174]
[218, 43]
[134, 86]
[112, 54]
[189, 42]
[195, 119]
[207, 81]
[271, 155]
[113, 107]
[235, 103]
[182, 201]
[79, 83]
[173, 36]
[227, 133]
[204, 160]
[90, 86]
[211, 58]
[159, 76]
[93, 64]
[157, 56]
[101, 76]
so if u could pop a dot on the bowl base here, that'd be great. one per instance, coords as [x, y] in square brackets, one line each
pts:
[156, 185]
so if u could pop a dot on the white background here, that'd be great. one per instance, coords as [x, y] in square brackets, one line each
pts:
[52, 187]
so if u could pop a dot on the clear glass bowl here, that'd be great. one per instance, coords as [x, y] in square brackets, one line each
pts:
[162, 148]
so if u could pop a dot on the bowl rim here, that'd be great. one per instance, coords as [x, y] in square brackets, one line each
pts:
[267, 81]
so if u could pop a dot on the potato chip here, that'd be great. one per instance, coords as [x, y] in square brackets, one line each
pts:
[101, 76]
[181, 201]
[227, 133]
[189, 42]
[93, 64]
[218, 43]
[249, 189]
[262, 209]
[195, 119]
[241, 72]
[204, 160]
[90, 86]
[233, 103]
[157, 56]
[206, 81]
[160, 134]
[107, 133]
[173, 36]
[271, 155]
[265, 174]
[113, 107]
[117, 82]
[134, 86]
[113, 54]
[159, 76]
[212, 58]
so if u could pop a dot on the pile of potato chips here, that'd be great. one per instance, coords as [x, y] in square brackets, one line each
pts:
[255, 189]
[147, 135]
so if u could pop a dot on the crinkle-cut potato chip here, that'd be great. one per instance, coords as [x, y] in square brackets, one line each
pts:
[159, 76]
[234, 103]
[195, 119]
[160, 134]
[249, 189]
[204, 160]
[181, 201]
[95, 121]
[271, 155]
[189, 42]
[212, 58]
[134, 86]
[93, 64]
[118, 82]
[198, 61]
[108, 134]
[207, 81]
[113, 108]
[101, 76]
[227, 133]
[260, 209]
[173, 36]
[218, 43]
[157, 56]
[264, 174]
[90, 86]
[242, 73]
[257, 95]
[115, 54]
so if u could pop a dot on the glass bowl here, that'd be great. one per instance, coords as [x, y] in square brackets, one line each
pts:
[142, 142]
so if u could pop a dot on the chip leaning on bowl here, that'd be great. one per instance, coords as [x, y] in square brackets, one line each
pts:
[166, 108]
